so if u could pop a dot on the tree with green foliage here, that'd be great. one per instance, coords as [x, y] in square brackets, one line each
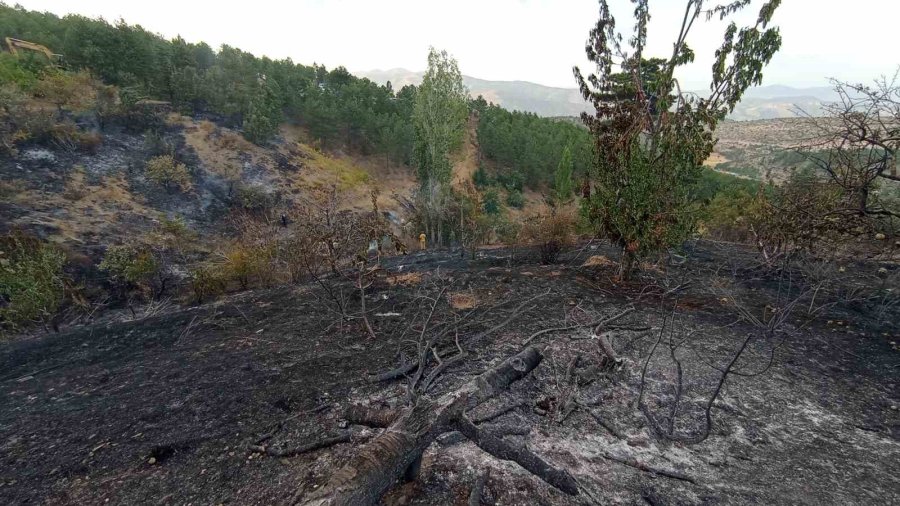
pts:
[562, 180]
[264, 113]
[439, 117]
[530, 145]
[13, 70]
[650, 138]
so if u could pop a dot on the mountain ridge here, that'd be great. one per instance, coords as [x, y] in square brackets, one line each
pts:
[762, 102]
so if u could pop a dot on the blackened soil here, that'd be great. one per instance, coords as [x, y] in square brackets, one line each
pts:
[162, 410]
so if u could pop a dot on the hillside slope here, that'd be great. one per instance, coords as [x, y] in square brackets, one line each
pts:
[89, 200]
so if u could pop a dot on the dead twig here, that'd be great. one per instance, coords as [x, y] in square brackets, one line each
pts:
[630, 462]
[399, 372]
[362, 303]
[595, 323]
[343, 437]
[443, 365]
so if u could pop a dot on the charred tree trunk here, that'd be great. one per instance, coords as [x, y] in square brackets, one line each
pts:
[384, 460]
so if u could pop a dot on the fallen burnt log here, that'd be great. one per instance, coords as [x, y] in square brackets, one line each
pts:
[520, 455]
[389, 457]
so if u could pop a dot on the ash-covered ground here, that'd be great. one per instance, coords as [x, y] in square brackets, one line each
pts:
[171, 408]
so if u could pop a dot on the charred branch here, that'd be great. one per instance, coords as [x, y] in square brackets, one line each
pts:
[502, 450]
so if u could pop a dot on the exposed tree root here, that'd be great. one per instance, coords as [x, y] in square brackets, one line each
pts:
[606, 425]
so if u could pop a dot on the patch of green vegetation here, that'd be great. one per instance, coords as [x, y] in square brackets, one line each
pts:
[739, 169]
[515, 199]
[490, 202]
[21, 72]
[169, 173]
[530, 147]
[129, 267]
[712, 183]
[32, 286]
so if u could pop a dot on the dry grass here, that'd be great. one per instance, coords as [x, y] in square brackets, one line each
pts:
[82, 210]
[462, 300]
[715, 159]
[599, 261]
[342, 170]
[408, 279]
[651, 267]
[10, 188]
[218, 148]
[465, 162]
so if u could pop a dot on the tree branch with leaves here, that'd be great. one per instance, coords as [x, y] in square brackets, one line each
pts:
[651, 138]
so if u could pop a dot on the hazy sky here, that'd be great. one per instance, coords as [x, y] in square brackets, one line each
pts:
[529, 40]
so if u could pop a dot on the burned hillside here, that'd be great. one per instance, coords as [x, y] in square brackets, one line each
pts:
[263, 397]
[232, 278]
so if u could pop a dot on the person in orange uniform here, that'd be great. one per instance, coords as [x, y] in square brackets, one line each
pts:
[422, 241]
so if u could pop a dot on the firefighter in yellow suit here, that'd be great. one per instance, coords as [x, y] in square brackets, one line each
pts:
[422, 241]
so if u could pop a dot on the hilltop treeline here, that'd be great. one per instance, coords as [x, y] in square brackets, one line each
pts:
[257, 94]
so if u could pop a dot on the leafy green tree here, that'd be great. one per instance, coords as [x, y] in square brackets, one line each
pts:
[439, 117]
[13, 70]
[529, 145]
[651, 139]
[264, 113]
[562, 181]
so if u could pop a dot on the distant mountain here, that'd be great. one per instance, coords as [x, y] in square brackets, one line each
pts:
[513, 95]
[764, 102]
